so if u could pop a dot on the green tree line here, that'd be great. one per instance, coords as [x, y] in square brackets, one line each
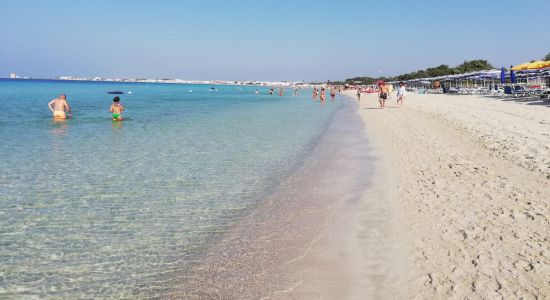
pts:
[442, 70]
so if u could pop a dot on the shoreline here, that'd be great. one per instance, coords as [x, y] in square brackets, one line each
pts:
[340, 237]
[263, 254]
[365, 252]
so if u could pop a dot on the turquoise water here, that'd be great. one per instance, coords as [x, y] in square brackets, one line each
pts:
[95, 208]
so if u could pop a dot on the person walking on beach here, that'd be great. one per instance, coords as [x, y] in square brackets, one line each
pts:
[358, 94]
[383, 91]
[401, 94]
[59, 106]
[332, 93]
[117, 109]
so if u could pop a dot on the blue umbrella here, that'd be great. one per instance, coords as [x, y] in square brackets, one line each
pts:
[513, 76]
[502, 76]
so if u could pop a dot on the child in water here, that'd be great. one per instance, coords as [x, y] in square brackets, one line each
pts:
[116, 109]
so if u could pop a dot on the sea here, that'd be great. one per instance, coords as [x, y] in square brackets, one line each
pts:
[96, 208]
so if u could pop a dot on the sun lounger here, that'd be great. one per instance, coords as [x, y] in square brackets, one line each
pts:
[452, 90]
[515, 91]
[520, 90]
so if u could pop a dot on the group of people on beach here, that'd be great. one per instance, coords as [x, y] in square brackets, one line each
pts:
[384, 92]
[61, 109]
[281, 91]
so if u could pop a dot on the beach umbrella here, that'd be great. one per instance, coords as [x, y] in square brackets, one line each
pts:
[513, 78]
[538, 65]
[520, 67]
[532, 65]
[502, 76]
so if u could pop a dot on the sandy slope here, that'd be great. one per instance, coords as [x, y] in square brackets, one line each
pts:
[474, 189]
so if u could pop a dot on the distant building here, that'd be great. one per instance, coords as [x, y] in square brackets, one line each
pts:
[13, 75]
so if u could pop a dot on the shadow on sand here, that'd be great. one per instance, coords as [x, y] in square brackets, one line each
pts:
[528, 100]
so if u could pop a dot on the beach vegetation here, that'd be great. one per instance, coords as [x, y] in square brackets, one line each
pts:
[441, 70]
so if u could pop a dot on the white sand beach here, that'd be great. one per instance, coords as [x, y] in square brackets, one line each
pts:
[459, 206]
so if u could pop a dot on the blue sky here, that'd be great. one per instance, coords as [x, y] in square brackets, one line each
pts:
[264, 40]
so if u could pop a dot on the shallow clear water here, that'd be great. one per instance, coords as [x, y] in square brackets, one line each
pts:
[95, 208]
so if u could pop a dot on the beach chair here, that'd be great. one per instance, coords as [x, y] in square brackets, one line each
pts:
[520, 90]
[512, 91]
[495, 92]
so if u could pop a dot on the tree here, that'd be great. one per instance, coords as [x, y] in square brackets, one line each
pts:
[441, 70]
[547, 57]
[472, 66]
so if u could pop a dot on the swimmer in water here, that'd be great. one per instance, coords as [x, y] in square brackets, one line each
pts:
[116, 109]
[323, 95]
[60, 107]
[315, 93]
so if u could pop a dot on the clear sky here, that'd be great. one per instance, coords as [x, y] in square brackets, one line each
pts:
[264, 39]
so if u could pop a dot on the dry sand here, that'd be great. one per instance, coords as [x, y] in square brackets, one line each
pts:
[471, 187]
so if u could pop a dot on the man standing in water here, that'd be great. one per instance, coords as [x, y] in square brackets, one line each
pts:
[59, 106]
[383, 91]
